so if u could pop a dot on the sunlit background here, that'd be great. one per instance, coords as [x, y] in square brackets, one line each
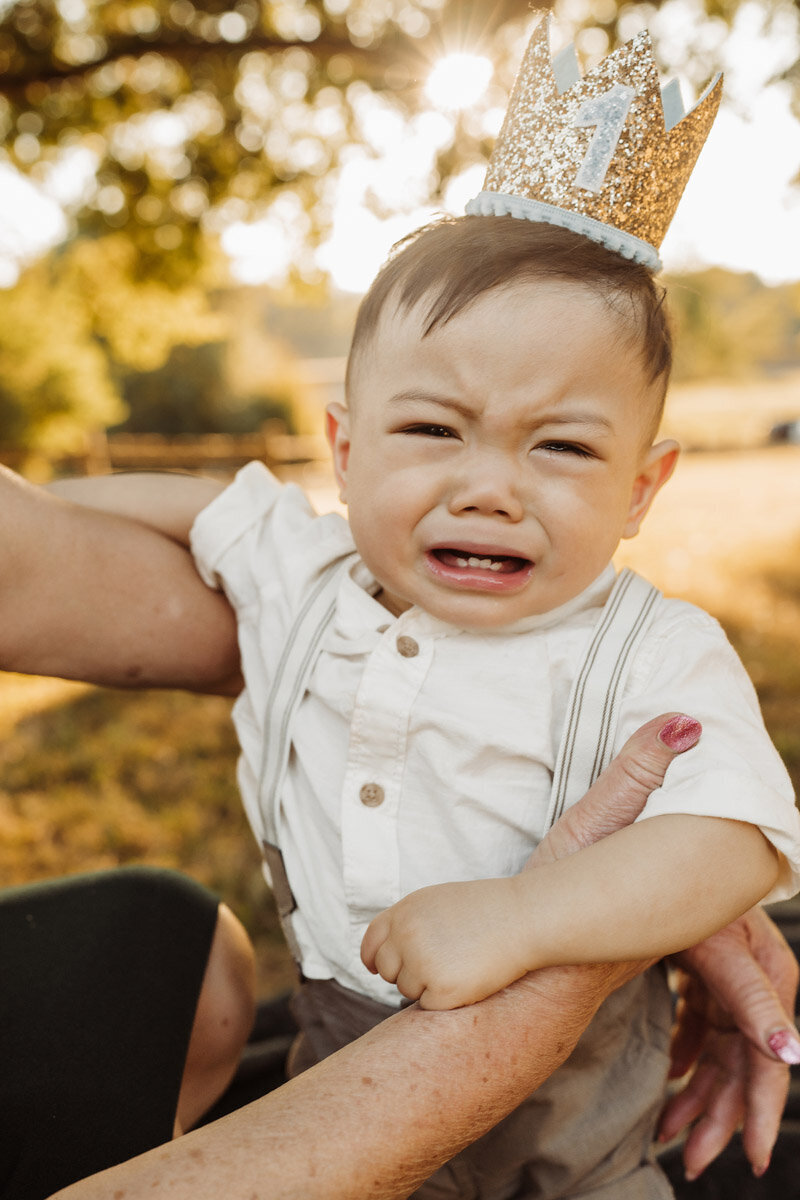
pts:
[740, 210]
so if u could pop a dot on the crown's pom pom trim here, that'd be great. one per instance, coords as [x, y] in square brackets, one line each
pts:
[497, 204]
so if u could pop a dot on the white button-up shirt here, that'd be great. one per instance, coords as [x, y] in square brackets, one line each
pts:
[423, 753]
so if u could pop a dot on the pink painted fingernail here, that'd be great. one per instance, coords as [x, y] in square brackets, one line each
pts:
[785, 1045]
[681, 733]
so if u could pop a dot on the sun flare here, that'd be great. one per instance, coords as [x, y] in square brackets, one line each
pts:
[458, 80]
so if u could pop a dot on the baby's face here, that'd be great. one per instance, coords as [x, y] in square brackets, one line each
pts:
[491, 468]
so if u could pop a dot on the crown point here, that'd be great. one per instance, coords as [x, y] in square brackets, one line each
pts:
[566, 69]
[672, 104]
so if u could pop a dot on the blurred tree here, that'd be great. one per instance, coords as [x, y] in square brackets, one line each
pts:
[137, 320]
[730, 325]
[54, 377]
[191, 393]
[76, 322]
[194, 114]
[187, 115]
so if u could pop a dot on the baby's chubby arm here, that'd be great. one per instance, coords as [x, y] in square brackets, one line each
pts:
[646, 891]
[88, 594]
[167, 501]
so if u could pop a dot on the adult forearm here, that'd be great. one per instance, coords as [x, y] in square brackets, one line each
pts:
[88, 595]
[377, 1118]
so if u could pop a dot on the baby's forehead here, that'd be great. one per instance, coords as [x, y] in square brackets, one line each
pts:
[499, 327]
[431, 317]
[437, 306]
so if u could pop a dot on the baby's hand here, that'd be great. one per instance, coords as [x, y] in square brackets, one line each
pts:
[451, 944]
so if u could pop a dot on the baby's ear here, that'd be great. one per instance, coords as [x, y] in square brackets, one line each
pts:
[659, 463]
[337, 427]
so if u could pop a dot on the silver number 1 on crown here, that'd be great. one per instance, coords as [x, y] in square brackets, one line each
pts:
[608, 112]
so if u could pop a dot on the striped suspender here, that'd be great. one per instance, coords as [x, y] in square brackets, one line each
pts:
[287, 690]
[588, 739]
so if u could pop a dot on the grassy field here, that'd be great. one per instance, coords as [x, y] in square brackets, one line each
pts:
[92, 778]
[726, 534]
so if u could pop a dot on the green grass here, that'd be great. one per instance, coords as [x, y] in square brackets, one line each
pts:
[116, 777]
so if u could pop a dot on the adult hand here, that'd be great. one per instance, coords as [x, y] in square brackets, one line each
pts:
[737, 989]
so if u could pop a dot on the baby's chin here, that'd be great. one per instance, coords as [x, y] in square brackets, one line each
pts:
[479, 613]
[479, 610]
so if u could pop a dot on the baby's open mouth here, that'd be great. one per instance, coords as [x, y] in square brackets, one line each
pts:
[501, 564]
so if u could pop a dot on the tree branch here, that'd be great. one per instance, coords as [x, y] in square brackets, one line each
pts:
[372, 60]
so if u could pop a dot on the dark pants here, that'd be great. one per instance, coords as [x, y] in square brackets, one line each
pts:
[100, 979]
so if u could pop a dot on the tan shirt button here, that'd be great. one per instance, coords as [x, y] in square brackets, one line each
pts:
[371, 794]
[407, 646]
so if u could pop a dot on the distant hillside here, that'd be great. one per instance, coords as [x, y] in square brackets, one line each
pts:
[727, 325]
[732, 326]
[314, 327]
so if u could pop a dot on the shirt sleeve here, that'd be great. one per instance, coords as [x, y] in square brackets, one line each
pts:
[261, 541]
[688, 665]
[224, 524]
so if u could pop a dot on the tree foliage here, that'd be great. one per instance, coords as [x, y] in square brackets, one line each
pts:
[54, 377]
[199, 112]
[193, 393]
[729, 325]
[73, 326]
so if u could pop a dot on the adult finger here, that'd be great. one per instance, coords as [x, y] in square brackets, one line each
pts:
[751, 972]
[690, 1102]
[731, 1081]
[767, 1089]
[778, 960]
[621, 792]
[725, 1111]
[688, 1034]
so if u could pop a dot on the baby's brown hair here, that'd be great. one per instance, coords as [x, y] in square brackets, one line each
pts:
[453, 261]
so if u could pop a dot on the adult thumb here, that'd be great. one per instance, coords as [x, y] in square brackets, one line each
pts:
[620, 793]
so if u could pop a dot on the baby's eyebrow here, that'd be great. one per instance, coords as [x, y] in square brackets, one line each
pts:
[591, 420]
[411, 396]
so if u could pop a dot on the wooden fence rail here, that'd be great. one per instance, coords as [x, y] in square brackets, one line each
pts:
[155, 452]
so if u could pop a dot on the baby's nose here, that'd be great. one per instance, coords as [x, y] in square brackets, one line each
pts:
[488, 485]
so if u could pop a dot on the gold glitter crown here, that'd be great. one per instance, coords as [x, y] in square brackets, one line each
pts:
[608, 154]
